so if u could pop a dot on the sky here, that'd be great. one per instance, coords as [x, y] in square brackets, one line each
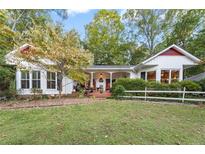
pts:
[78, 19]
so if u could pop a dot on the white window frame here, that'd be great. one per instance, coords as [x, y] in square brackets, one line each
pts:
[48, 80]
[27, 79]
[170, 75]
[38, 79]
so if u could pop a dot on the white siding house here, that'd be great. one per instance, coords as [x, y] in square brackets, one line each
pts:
[166, 66]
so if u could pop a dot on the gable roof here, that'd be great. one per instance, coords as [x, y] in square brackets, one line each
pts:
[180, 50]
[11, 58]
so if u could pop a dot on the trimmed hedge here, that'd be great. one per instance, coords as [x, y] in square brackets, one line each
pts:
[130, 84]
[190, 85]
[202, 84]
[140, 84]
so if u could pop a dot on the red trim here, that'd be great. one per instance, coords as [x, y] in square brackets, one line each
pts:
[171, 52]
[25, 50]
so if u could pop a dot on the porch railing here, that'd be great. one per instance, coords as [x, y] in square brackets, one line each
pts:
[182, 98]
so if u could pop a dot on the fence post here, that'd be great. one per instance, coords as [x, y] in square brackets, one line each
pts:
[145, 94]
[183, 96]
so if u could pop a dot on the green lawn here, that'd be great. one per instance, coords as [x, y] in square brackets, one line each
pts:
[111, 122]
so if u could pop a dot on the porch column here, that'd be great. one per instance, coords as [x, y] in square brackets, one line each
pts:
[111, 79]
[91, 79]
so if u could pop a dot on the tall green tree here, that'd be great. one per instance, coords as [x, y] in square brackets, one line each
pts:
[6, 35]
[187, 24]
[21, 20]
[148, 27]
[196, 45]
[104, 38]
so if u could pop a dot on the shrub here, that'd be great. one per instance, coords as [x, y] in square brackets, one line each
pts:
[119, 90]
[37, 93]
[190, 85]
[202, 84]
[139, 84]
[156, 85]
[130, 84]
[162, 86]
[11, 92]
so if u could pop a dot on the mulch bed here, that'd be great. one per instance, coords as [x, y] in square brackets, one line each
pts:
[47, 103]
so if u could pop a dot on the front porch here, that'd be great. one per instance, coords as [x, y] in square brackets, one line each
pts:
[102, 81]
[101, 77]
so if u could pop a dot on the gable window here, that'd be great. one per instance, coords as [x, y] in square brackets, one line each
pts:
[151, 76]
[51, 80]
[36, 79]
[25, 80]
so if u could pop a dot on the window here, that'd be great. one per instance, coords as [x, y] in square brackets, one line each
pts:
[51, 80]
[36, 79]
[169, 76]
[151, 76]
[25, 80]
[143, 75]
[165, 76]
[174, 76]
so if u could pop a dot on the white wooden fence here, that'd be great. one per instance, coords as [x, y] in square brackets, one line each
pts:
[182, 98]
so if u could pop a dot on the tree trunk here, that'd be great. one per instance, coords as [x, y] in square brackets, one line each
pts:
[59, 84]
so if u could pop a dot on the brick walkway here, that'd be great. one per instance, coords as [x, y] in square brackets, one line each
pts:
[47, 103]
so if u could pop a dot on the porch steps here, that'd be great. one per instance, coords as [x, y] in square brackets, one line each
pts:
[97, 94]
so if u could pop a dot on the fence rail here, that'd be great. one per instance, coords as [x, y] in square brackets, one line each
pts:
[182, 98]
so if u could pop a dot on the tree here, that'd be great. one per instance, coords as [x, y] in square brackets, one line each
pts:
[187, 24]
[6, 35]
[61, 49]
[148, 26]
[21, 20]
[104, 38]
[138, 54]
[196, 45]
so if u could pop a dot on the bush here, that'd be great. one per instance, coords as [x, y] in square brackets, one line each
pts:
[139, 84]
[11, 92]
[163, 86]
[130, 84]
[202, 84]
[156, 85]
[190, 85]
[119, 90]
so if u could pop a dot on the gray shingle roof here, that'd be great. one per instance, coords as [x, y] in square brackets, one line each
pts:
[112, 66]
[197, 77]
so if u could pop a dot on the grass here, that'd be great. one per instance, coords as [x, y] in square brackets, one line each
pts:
[110, 122]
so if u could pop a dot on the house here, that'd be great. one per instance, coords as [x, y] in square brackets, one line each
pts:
[166, 66]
